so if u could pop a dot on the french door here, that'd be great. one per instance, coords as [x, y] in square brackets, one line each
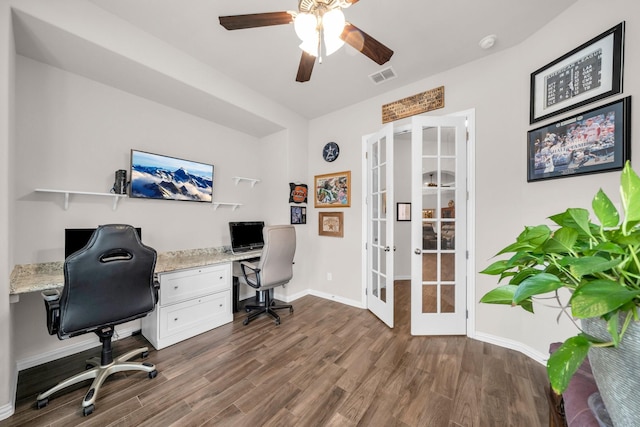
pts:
[379, 202]
[438, 228]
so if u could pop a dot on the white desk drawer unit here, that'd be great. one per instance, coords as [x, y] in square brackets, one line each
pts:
[191, 302]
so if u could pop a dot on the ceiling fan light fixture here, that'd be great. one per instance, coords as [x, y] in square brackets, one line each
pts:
[333, 23]
[306, 26]
[310, 46]
[309, 26]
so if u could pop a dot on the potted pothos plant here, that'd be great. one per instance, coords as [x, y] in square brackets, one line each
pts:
[598, 262]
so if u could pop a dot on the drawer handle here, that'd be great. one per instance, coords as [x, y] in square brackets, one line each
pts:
[175, 320]
[175, 287]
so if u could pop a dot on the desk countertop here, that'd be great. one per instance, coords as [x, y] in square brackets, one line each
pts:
[49, 275]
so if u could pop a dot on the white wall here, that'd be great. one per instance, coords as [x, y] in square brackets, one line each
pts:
[402, 194]
[8, 374]
[498, 88]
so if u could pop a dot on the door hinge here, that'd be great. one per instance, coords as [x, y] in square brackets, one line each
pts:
[467, 254]
[467, 314]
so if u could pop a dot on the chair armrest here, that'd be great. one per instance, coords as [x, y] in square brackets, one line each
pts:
[52, 305]
[254, 281]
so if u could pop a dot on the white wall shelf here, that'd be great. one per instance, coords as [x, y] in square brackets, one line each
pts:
[238, 179]
[116, 197]
[234, 206]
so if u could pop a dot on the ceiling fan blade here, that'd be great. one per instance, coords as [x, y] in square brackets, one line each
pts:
[306, 67]
[253, 20]
[366, 44]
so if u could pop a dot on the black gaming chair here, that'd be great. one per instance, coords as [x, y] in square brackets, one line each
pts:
[108, 282]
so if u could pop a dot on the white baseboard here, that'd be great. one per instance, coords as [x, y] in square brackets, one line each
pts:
[352, 303]
[512, 345]
[9, 409]
[88, 341]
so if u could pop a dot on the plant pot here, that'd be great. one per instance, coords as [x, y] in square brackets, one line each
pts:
[617, 372]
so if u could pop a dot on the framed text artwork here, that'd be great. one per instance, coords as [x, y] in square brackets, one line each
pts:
[333, 190]
[588, 73]
[597, 140]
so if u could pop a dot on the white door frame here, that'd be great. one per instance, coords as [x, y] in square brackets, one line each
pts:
[471, 217]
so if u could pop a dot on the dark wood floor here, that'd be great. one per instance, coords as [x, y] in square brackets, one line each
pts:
[327, 364]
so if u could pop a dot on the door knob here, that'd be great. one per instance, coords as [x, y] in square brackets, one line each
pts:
[417, 251]
[387, 248]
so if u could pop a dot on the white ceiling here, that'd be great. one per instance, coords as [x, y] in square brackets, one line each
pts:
[428, 37]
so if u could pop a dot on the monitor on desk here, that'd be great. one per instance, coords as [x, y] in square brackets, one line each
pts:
[76, 239]
[246, 236]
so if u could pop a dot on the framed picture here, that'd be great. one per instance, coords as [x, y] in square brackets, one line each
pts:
[403, 211]
[333, 190]
[594, 141]
[331, 224]
[590, 72]
[298, 215]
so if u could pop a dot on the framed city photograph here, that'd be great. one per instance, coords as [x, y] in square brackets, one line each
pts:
[298, 215]
[588, 73]
[331, 224]
[333, 190]
[593, 141]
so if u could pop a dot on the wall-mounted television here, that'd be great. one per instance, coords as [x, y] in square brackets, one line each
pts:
[155, 176]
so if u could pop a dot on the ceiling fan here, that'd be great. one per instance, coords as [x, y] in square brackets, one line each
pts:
[321, 26]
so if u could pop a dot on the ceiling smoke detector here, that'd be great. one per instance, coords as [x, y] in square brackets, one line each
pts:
[488, 41]
[383, 75]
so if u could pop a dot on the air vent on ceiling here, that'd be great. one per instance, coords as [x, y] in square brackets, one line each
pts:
[383, 75]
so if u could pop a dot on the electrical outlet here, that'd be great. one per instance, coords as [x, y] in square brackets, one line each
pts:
[329, 276]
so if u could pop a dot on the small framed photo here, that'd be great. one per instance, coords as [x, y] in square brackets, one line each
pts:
[598, 140]
[298, 215]
[333, 190]
[403, 211]
[331, 224]
[588, 73]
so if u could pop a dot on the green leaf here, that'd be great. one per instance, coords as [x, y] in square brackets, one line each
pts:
[599, 297]
[613, 328]
[565, 361]
[581, 218]
[535, 235]
[630, 192]
[522, 275]
[604, 209]
[590, 265]
[516, 247]
[500, 295]
[610, 248]
[536, 285]
[496, 268]
[562, 241]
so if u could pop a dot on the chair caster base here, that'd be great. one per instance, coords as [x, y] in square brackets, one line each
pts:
[88, 410]
[42, 403]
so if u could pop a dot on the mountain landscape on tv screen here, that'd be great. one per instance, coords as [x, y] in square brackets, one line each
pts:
[158, 183]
